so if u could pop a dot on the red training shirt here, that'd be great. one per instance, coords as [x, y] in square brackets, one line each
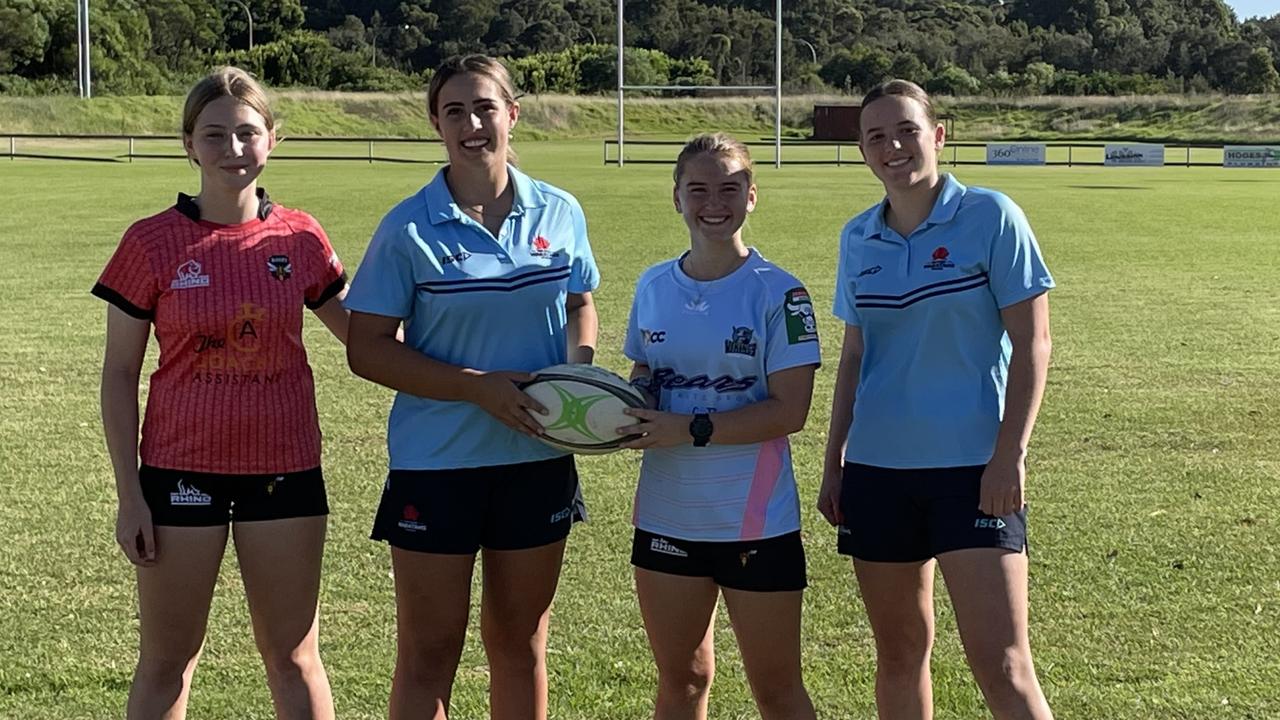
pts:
[233, 393]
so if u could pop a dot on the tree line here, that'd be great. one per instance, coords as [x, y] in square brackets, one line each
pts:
[998, 47]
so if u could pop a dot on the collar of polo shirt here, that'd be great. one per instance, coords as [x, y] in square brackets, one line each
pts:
[944, 210]
[441, 207]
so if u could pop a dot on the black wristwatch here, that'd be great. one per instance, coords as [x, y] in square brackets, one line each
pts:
[701, 429]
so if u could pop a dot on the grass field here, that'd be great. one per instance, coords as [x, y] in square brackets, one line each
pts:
[1154, 476]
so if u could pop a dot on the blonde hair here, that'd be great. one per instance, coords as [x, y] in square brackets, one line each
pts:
[906, 89]
[720, 144]
[482, 65]
[225, 82]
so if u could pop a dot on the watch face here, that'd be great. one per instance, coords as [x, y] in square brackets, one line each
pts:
[700, 429]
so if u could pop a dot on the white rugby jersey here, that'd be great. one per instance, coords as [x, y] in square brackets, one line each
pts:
[711, 347]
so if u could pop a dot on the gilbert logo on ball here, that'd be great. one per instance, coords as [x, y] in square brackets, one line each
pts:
[584, 407]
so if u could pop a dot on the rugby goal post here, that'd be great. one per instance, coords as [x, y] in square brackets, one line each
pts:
[776, 87]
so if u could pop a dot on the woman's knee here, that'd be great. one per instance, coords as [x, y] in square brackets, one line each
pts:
[159, 670]
[690, 680]
[429, 658]
[292, 664]
[780, 695]
[1004, 672]
[905, 648]
[512, 639]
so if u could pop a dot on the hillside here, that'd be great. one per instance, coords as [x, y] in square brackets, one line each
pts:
[1206, 118]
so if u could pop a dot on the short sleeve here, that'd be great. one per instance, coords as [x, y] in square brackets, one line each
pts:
[792, 332]
[845, 306]
[633, 346]
[128, 281]
[384, 283]
[328, 278]
[584, 276]
[1016, 268]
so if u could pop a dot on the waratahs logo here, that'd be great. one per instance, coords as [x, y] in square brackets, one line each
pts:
[409, 520]
[541, 247]
[941, 259]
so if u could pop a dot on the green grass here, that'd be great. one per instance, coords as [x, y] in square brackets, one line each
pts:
[1154, 478]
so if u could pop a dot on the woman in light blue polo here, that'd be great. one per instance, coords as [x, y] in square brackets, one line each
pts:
[946, 347]
[491, 274]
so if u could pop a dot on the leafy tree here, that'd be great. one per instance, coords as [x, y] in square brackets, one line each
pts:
[953, 80]
[1260, 74]
[908, 66]
[861, 68]
[184, 33]
[1038, 77]
[302, 57]
[24, 35]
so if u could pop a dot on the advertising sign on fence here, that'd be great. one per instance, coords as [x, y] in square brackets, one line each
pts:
[1251, 156]
[1015, 154]
[1135, 155]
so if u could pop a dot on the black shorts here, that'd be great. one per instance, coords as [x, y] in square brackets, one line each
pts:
[894, 515]
[773, 564]
[192, 499]
[498, 507]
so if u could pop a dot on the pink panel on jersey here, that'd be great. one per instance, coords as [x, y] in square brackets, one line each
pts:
[768, 470]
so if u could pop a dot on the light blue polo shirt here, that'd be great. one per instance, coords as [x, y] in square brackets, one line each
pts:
[473, 300]
[936, 357]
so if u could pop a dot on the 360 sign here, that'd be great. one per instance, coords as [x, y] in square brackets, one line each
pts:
[1015, 154]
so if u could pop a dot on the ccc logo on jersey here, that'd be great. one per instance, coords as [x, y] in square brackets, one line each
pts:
[653, 337]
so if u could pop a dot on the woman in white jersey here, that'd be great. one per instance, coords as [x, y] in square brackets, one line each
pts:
[726, 344]
[946, 347]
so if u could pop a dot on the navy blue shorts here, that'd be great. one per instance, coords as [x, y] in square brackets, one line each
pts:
[191, 499]
[499, 507]
[896, 515]
[773, 564]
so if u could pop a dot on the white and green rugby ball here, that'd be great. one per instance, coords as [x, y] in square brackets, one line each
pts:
[584, 407]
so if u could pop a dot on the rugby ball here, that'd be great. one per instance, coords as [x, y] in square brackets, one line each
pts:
[584, 407]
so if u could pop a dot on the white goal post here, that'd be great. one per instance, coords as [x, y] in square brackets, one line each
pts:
[776, 87]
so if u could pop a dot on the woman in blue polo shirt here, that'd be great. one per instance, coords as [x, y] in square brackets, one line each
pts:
[490, 273]
[946, 347]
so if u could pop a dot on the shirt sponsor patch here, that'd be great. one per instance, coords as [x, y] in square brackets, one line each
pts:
[802, 326]
[190, 275]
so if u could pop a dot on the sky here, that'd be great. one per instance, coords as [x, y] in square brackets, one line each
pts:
[1246, 9]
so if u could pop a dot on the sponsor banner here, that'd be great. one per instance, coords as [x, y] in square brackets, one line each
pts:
[1015, 154]
[1251, 156]
[1135, 155]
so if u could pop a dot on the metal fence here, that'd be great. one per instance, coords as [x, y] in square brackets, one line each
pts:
[128, 148]
[827, 152]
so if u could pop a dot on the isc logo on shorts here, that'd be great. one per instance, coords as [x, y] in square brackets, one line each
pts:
[562, 515]
[989, 523]
[662, 545]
